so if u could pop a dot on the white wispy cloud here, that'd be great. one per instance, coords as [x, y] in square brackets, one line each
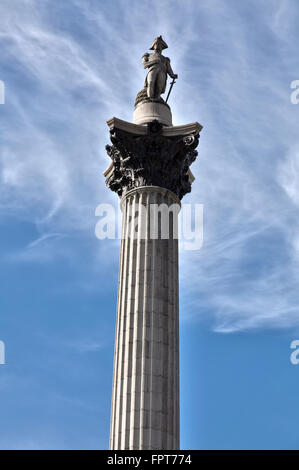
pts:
[246, 274]
[235, 64]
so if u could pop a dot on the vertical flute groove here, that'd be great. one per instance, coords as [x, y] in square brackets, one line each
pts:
[145, 405]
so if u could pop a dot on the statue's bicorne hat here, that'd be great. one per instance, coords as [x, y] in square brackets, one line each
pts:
[161, 41]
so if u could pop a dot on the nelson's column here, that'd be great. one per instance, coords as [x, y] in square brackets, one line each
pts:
[149, 171]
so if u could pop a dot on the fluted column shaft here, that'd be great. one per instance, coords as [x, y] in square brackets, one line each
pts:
[145, 398]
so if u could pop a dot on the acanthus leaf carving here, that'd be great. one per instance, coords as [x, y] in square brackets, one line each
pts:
[151, 160]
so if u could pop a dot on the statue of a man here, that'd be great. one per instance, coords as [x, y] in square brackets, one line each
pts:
[158, 67]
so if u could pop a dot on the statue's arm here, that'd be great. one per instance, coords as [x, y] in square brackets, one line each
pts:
[169, 69]
[145, 60]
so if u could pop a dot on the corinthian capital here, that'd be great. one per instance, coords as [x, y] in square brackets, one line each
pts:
[151, 155]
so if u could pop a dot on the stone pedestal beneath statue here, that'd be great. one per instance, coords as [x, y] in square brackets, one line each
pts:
[148, 111]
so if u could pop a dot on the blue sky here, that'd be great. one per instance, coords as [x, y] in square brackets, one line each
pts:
[68, 67]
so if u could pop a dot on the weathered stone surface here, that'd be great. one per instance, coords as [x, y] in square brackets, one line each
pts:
[185, 129]
[145, 398]
[149, 111]
[159, 157]
[142, 97]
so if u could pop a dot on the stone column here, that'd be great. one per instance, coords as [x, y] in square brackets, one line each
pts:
[150, 168]
[145, 399]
